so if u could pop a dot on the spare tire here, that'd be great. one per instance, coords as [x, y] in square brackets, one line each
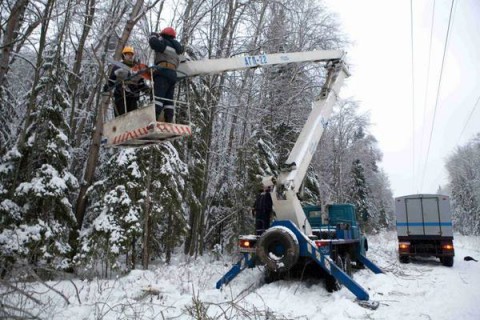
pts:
[278, 249]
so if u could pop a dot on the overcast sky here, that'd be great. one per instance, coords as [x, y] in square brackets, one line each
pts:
[380, 60]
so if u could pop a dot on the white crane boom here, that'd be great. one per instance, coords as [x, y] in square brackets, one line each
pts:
[139, 127]
[286, 203]
[287, 184]
[213, 66]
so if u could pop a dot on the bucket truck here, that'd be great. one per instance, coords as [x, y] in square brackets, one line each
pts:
[326, 237]
[297, 237]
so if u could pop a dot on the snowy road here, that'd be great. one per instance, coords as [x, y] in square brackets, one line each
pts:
[423, 289]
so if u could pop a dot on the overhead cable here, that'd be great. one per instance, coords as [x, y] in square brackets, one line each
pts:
[469, 117]
[428, 79]
[413, 95]
[438, 91]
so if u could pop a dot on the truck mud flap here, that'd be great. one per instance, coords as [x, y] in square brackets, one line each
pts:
[246, 261]
[369, 264]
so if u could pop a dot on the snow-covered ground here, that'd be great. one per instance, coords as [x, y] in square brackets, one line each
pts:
[423, 289]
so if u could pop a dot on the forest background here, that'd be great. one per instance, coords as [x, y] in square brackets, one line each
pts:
[68, 203]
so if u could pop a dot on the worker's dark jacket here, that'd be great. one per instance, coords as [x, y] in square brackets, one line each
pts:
[167, 49]
[263, 210]
[133, 86]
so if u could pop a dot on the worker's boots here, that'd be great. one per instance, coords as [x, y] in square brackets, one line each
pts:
[169, 113]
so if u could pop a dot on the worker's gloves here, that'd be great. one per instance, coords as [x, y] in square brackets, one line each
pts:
[122, 74]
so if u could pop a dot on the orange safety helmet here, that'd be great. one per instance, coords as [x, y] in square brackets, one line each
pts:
[169, 31]
[128, 50]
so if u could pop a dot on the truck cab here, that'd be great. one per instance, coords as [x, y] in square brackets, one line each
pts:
[335, 229]
[337, 221]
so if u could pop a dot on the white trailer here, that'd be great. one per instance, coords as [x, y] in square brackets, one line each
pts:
[424, 227]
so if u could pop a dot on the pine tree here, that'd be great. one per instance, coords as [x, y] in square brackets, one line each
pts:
[464, 182]
[113, 222]
[359, 192]
[347, 166]
[120, 226]
[37, 191]
[171, 197]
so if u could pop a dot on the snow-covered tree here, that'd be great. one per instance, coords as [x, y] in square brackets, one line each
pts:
[113, 223]
[359, 190]
[171, 199]
[346, 163]
[36, 182]
[464, 182]
[137, 210]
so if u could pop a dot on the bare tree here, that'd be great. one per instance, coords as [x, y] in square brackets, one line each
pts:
[74, 77]
[464, 181]
[10, 36]
[135, 15]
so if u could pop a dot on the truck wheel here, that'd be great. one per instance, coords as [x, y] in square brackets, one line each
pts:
[447, 261]
[271, 276]
[339, 262]
[331, 283]
[278, 249]
[347, 264]
[404, 259]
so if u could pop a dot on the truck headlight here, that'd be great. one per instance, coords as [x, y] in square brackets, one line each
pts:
[447, 246]
[245, 244]
[404, 246]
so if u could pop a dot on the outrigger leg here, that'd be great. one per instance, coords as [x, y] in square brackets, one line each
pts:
[246, 262]
[369, 264]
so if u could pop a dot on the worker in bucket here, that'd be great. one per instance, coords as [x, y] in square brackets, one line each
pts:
[167, 51]
[262, 210]
[127, 88]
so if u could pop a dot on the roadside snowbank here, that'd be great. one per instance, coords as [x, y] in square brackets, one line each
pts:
[423, 289]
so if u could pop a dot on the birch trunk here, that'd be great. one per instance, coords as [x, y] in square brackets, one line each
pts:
[10, 36]
[94, 149]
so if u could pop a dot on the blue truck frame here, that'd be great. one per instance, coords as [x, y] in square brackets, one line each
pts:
[344, 236]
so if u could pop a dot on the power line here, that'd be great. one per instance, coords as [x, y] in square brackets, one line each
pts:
[438, 91]
[428, 77]
[469, 117]
[413, 96]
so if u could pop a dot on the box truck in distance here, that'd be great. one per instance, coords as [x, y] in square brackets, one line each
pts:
[424, 227]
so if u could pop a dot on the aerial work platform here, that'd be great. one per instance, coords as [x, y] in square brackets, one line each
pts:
[140, 128]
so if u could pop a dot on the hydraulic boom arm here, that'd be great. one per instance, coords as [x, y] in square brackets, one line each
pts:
[285, 201]
[213, 66]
